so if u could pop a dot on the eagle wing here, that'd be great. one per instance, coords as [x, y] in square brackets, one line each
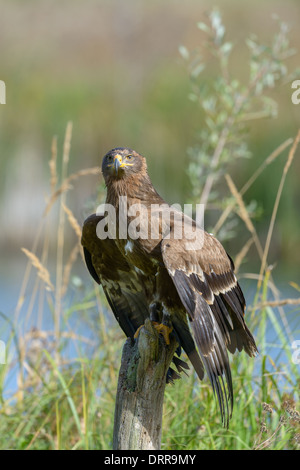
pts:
[205, 281]
[123, 288]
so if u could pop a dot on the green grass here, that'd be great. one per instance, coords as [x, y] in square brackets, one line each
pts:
[72, 407]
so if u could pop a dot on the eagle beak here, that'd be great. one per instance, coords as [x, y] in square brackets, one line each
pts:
[117, 163]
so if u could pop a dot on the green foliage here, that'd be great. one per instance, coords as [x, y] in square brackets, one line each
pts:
[228, 104]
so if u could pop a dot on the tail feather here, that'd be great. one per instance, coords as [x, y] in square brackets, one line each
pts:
[217, 366]
[186, 341]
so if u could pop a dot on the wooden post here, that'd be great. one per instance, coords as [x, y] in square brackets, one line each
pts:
[140, 393]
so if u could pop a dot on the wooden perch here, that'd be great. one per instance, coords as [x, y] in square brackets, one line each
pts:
[140, 393]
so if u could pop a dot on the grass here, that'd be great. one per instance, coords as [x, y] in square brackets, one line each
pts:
[67, 374]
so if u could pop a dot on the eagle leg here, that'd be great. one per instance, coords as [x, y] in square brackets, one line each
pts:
[136, 334]
[165, 330]
[154, 309]
[165, 327]
[155, 312]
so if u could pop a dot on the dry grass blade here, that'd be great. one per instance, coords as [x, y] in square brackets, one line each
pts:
[251, 180]
[73, 221]
[43, 272]
[77, 229]
[87, 171]
[241, 255]
[52, 165]
[60, 237]
[243, 213]
[267, 442]
[46, 335]
[279, 303]
[27, 274]
[275, 208]
[68, 267]
[67, 146]
[271, 158]
[65, 186]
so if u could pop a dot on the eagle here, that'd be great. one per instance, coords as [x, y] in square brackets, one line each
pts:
[155, 262]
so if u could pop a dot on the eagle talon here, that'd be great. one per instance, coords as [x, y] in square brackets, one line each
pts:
[160, 328]
[164, 330]
[136, 334]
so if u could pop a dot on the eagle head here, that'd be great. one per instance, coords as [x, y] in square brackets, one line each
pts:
[121, 162]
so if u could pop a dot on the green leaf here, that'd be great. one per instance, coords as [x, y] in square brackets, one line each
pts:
[203, 27]
[184, 52]
[197, 70]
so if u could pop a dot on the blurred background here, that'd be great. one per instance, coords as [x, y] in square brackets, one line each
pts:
[113, 69]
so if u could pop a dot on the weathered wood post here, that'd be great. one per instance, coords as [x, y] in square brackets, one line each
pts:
[140, 392]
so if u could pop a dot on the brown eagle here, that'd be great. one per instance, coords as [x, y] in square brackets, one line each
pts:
[182, 279]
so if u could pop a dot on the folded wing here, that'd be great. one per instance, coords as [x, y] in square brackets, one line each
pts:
[122, 286]
[205, 281]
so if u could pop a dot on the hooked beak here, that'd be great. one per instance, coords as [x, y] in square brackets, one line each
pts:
[117, 163]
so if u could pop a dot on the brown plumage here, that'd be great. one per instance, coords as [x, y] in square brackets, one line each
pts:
[176, 281]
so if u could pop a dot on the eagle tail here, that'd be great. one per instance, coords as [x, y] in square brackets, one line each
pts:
[216, 362]
[210, 342]
[186, 341]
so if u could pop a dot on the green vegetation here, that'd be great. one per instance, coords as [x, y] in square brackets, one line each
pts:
[67, 373]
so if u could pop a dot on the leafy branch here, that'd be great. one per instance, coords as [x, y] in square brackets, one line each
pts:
[228, 104]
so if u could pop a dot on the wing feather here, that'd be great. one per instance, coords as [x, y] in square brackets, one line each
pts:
[122, 287]
[213, 299]
[210, 343]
